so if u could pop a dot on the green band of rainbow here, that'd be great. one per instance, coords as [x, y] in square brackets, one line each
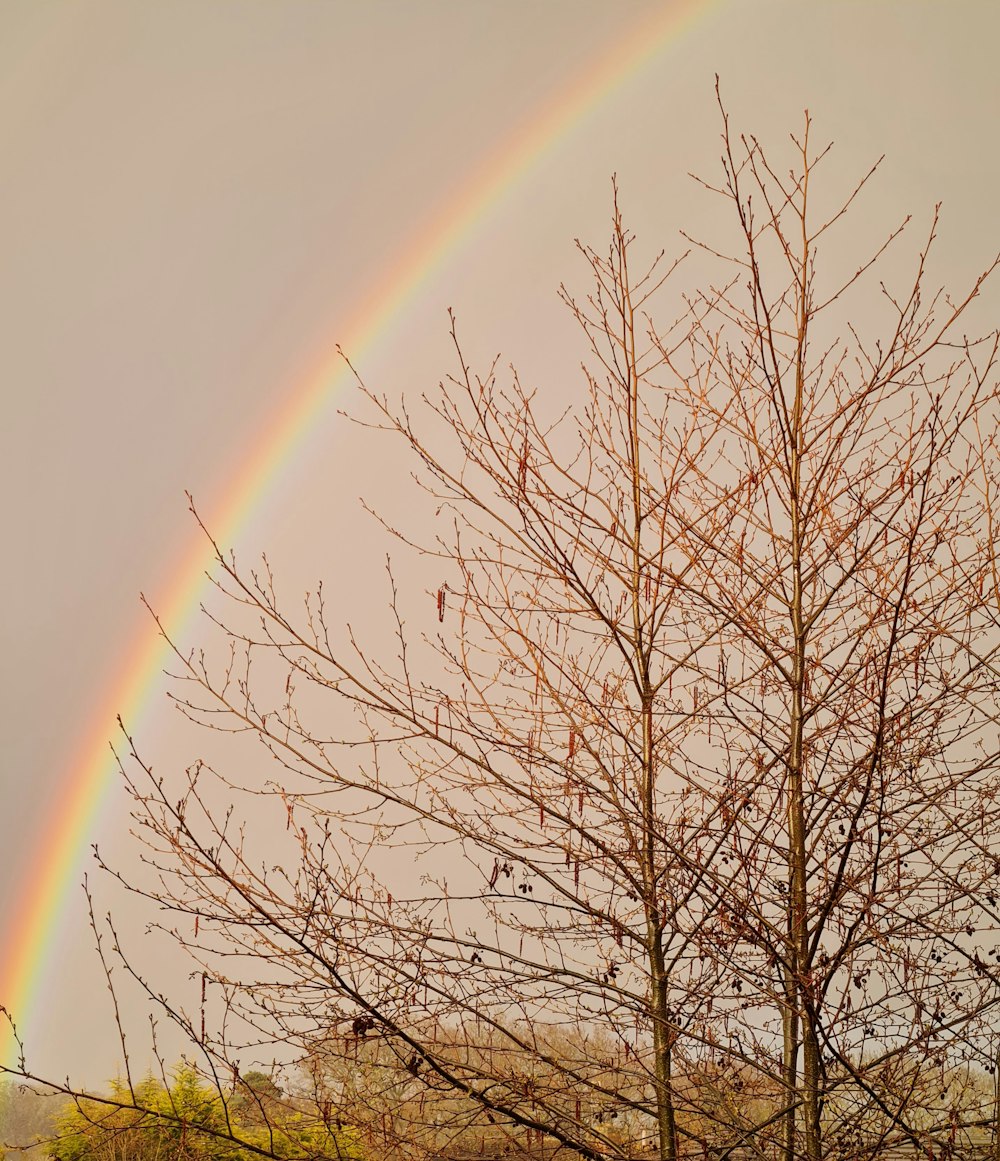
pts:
[46, 889]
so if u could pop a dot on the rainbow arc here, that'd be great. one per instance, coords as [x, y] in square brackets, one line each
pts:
[48, 883]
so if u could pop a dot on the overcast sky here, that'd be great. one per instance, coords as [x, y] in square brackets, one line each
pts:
[194, 194]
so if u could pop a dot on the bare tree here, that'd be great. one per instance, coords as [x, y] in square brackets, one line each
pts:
[673, 823]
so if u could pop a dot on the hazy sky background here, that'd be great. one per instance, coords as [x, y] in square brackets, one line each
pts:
[194, 193]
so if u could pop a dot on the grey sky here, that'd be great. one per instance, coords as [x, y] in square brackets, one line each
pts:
[194, 193]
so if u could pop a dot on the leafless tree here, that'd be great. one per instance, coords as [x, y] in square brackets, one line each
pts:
[672, 823]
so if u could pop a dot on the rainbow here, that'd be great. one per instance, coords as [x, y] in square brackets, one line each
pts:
[46, 887]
